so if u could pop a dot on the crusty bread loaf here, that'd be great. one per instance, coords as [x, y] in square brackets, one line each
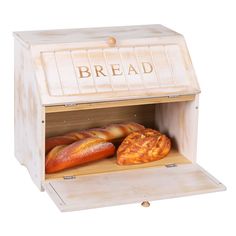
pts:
[143, 146]
[112, 133]
[58, 140]
[80, 152]
[120, 131]
[52, 154]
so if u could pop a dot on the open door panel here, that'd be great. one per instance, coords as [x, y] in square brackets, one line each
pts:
[154, 183]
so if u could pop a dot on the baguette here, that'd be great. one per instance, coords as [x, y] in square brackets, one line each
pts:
[114, 133]
[80, 152]
[110, 132]
[58, 140]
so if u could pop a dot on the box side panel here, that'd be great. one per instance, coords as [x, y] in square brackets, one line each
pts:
[29, 116]
[180, 121]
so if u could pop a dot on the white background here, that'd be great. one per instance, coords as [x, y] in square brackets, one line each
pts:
[209, 28]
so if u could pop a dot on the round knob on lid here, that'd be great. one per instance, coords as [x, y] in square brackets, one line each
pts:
[111, 41]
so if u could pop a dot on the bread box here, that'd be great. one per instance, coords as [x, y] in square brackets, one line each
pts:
[74, 79]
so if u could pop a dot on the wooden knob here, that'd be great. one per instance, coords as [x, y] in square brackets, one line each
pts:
[145, 204]
[111, 41]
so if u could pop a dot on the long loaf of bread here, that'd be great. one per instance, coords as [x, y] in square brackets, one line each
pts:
[111, 133]
[85, 150]
[76, 148]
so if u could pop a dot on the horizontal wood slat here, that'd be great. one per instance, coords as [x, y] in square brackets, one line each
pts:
[130, 102]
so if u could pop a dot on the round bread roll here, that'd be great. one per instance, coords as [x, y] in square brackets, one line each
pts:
[143, 146]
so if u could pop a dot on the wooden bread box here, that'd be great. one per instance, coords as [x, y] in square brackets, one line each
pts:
[74, 79]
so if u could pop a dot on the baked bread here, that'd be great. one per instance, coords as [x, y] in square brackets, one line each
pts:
[113, 133]
[58, 140]
[143, 146]
[80, 152]
[110, 132]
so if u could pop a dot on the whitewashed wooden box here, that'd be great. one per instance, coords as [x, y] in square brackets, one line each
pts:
[67, 80]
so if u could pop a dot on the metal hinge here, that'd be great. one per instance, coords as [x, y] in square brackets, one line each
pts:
[171, 165]
[69, 177]
[173, 96]
[70, 104]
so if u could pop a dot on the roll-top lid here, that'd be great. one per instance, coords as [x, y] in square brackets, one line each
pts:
[108, 64]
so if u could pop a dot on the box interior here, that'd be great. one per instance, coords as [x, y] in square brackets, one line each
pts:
[150, 115]
[104, 183]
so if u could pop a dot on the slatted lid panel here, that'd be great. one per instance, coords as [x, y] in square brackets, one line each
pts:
[108, 70]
